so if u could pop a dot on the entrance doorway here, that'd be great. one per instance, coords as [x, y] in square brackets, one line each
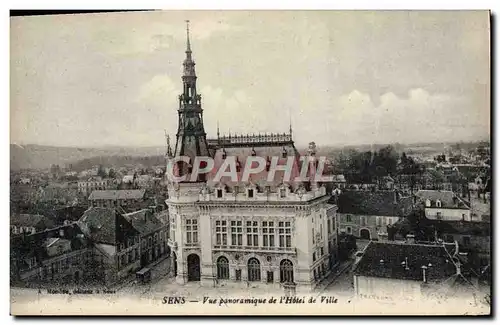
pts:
[364, 234]
[193, 264]
[173, 264]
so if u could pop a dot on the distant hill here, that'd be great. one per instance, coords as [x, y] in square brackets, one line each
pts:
[33, 156]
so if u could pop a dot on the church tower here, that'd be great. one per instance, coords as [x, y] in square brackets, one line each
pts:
[191, 136]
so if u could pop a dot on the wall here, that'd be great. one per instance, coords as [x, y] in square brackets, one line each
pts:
[447, 214]
[375, 224]
[386, 289]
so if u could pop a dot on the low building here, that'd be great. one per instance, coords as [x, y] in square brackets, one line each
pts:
[443, 205]
[153, 235]
[473, 237]
[29, 223]
[93, 184]
[401, 271]
[129, 200]
[366, 214]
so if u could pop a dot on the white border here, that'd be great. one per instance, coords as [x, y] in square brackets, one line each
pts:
[168, 4]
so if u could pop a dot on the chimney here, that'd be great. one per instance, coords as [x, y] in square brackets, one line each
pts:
[410, 239]
[383, 237]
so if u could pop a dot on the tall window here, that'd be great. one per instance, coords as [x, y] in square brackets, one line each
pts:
[236, 233]
[268, 233]
[172, 228]
[329, 224]
[222, 268]
[253, 269]
[191, 231]
[252, 233]
[348, 218]
[221, 232]
[285, 234]
[286, 271]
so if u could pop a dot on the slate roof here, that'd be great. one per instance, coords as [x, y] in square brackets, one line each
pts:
[446, 198]
[393, 254]
[117, 194]
[264, 150]
[99, 224]
[143, 221]
[378, 203]
[30, 220]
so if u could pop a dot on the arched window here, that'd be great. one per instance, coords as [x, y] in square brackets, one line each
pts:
[427, 203]
[286, 271]
[438, 203]
[222, 268]
[253, 269]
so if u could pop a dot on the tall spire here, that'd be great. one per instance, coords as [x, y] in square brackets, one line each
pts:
[218, 134]
[188, 64]
[188, 49]
[191, 137]
[290, 115]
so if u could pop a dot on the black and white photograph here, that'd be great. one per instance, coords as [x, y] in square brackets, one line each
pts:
[251, 162]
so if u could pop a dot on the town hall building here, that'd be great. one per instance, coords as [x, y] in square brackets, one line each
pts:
[257, 233]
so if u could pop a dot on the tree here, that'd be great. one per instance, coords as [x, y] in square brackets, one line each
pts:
[101, 172]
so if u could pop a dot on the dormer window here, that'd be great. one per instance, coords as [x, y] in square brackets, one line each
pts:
[282, 193]
[250, 193]
[438, 203]
[427, 203]
[219, 193]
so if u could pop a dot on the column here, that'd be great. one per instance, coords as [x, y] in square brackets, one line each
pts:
[205, 242]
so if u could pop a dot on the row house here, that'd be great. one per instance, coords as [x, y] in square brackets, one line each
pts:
[153, 235]
[116, 243]
[61, 255]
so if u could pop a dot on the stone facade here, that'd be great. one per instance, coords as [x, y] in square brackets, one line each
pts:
[240, 231]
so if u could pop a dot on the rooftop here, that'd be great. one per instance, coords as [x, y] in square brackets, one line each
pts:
[377, 203]
[117, 194]
[144, 221]
[404, 261]
[29, 220]
[99, 224]
[448, 199]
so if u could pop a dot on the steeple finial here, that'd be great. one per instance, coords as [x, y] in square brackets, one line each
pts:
[187, 32]
[218, 133]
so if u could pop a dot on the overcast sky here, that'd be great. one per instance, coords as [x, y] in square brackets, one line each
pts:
[342, 77]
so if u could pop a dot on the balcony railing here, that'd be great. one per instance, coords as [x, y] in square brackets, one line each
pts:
[274, 249]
